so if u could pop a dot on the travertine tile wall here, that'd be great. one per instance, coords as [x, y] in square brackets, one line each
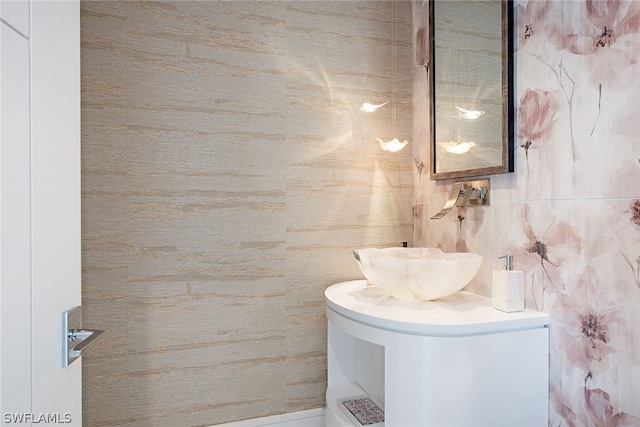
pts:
[227, 175]
[570, 214]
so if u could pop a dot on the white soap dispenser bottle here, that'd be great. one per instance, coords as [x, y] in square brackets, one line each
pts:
[508, 287]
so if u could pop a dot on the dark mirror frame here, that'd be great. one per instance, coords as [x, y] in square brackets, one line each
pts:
[507, 164]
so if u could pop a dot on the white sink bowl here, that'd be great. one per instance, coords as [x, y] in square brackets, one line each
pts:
[423, 274]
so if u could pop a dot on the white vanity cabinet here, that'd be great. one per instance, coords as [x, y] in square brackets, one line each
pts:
[455, 361]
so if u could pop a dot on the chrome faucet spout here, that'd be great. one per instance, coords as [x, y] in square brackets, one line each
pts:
[463, 194]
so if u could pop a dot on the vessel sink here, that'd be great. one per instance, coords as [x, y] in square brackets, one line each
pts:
[422, 274]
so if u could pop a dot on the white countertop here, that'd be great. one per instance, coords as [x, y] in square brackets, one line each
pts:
[462, 313]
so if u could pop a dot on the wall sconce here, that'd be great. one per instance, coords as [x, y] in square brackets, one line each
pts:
[468, 114]
[393, 145]
[370, 108]
[456, 147]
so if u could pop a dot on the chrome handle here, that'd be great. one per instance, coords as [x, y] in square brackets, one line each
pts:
[75, 338]
[82, 338]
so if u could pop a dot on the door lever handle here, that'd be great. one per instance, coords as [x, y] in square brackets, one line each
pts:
[80, 339]
[76, 339]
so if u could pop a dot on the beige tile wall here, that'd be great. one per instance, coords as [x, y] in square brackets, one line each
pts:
[227, 175]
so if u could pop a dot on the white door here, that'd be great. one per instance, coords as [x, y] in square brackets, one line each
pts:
[46, 391]
[15, 203]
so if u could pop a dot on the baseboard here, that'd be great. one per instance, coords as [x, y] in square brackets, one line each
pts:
[298, 418]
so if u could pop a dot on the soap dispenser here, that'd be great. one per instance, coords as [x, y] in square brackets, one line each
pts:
[508, 287]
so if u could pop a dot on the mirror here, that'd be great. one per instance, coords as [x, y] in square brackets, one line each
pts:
[471, 87]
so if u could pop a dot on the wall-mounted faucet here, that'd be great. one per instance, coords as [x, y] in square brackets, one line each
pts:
[463, 194]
